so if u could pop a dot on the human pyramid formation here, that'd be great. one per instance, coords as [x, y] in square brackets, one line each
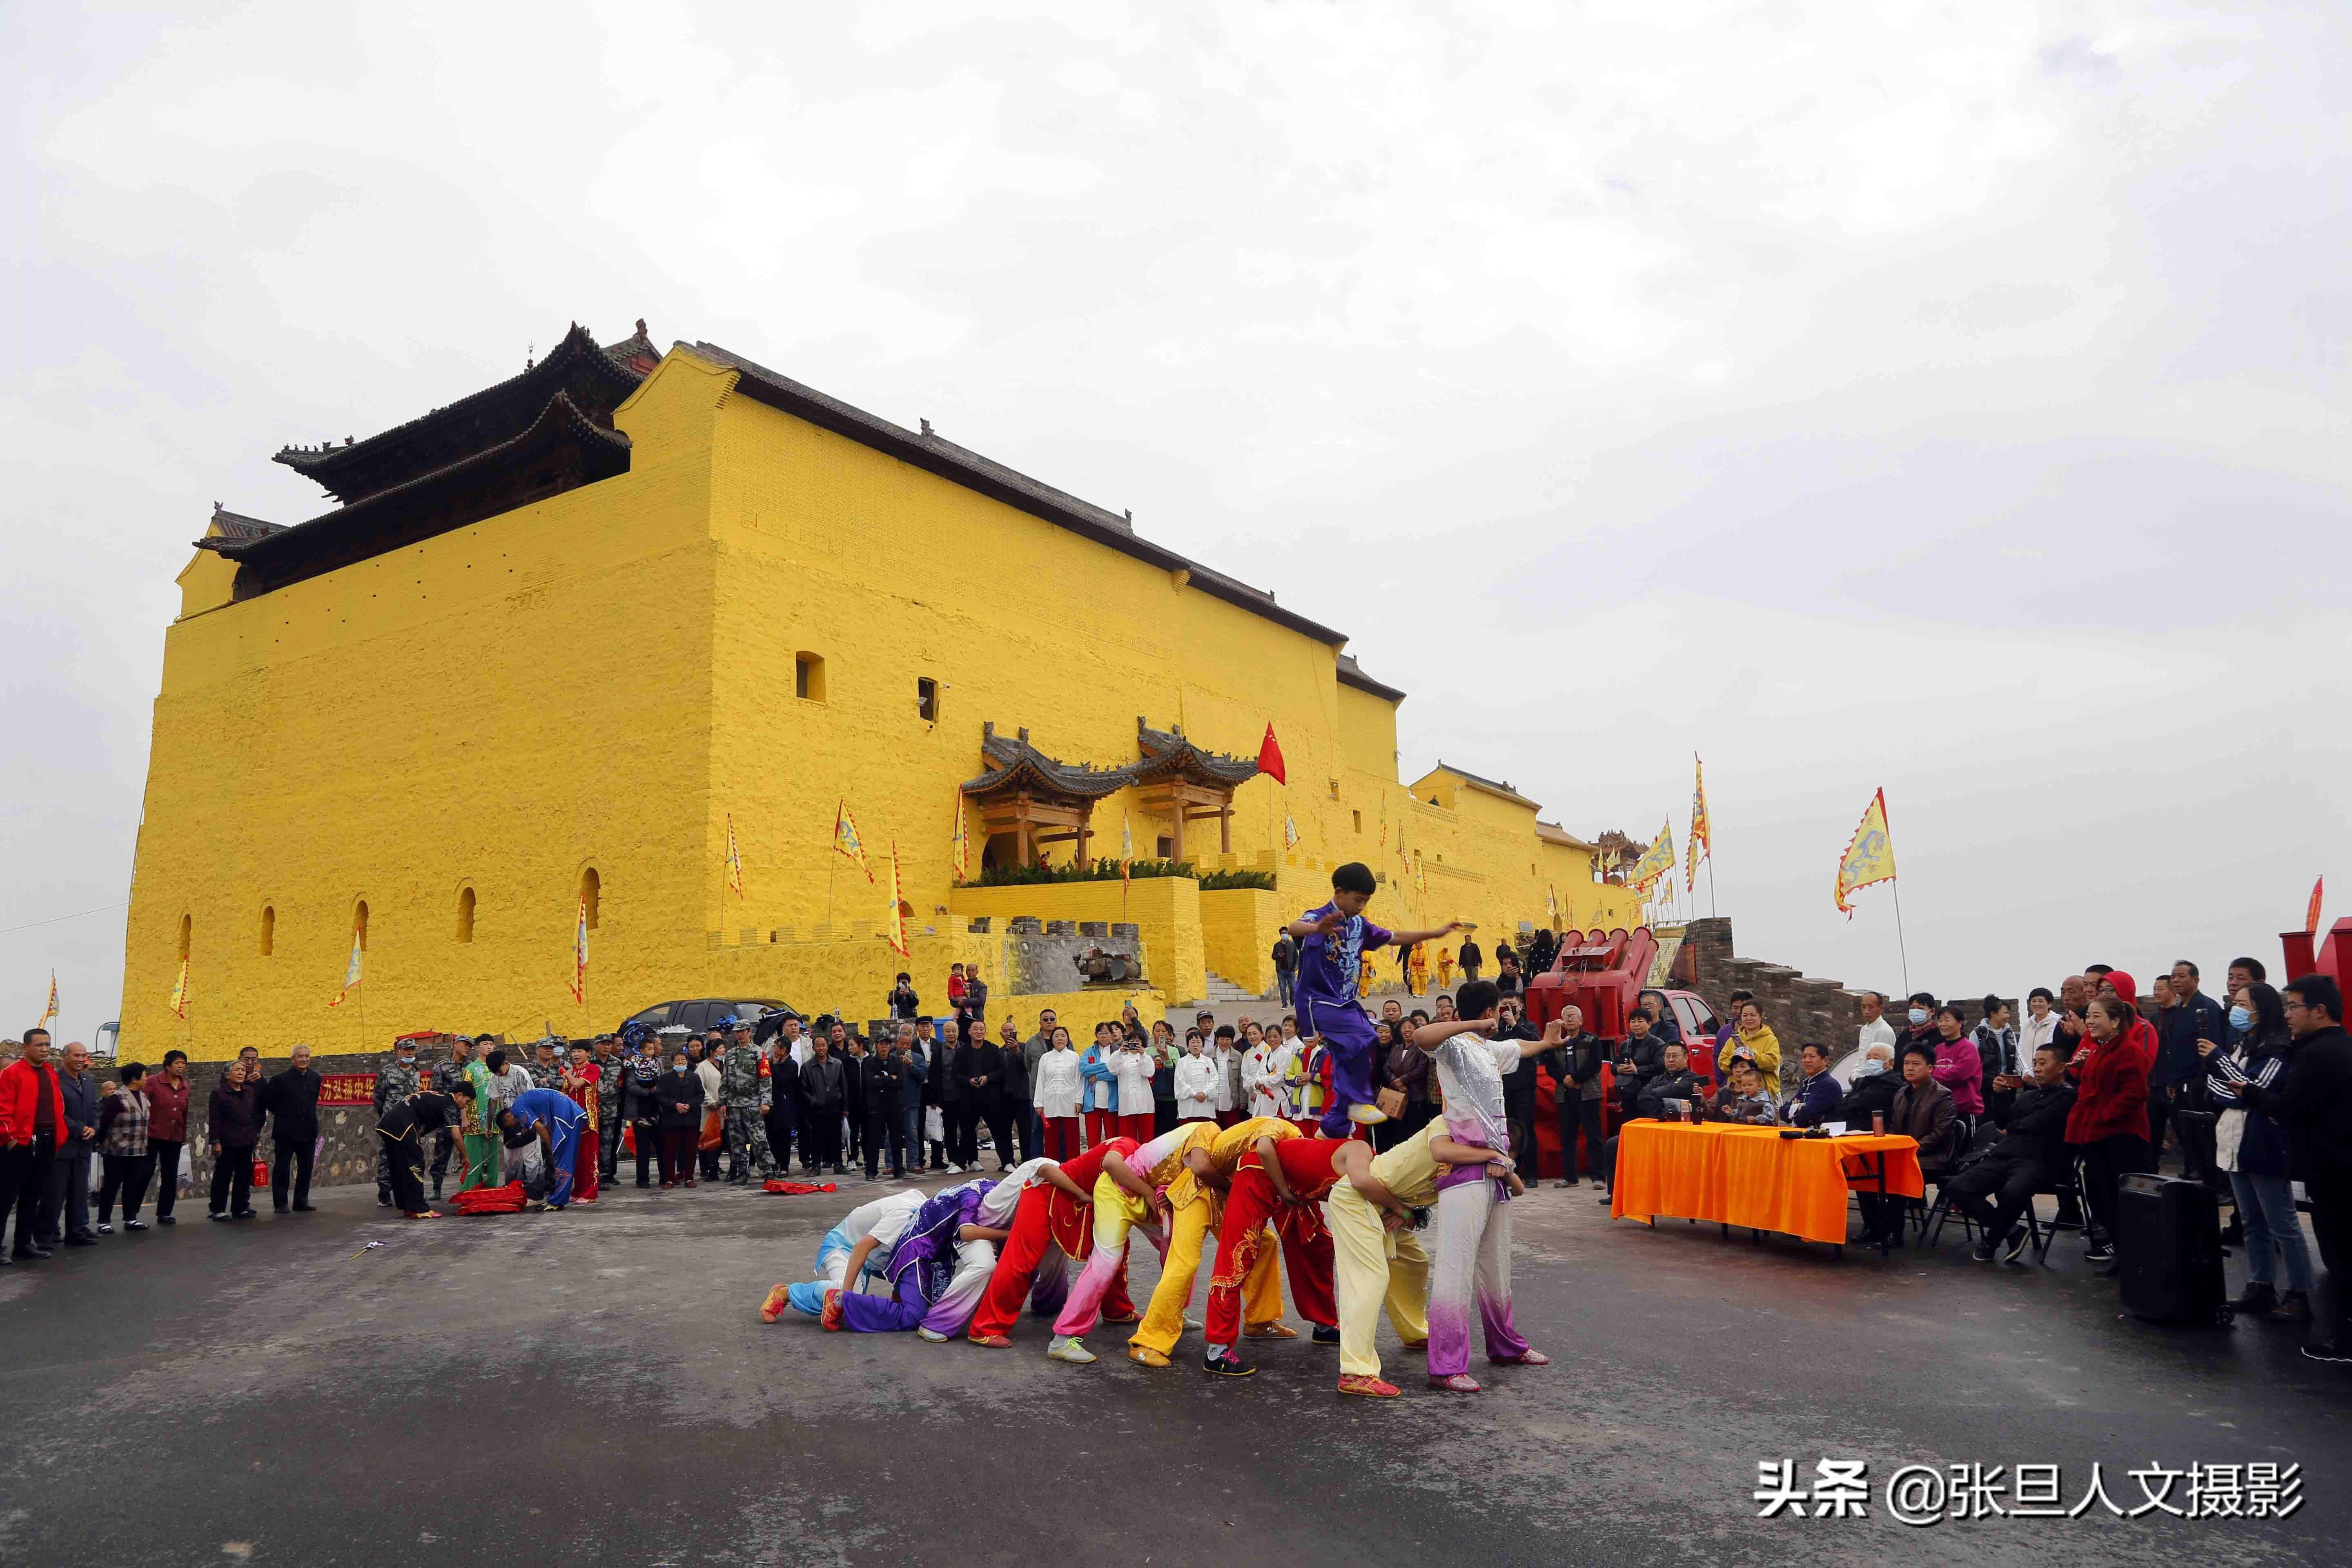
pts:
[1347, 1220]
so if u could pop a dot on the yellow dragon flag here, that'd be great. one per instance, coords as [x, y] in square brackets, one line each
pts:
[351, 971]
[1657, 861]
[178, 1002]
[580, 955]
[898, 907]
[1384, 822]
[734, 860]
[1869, 856]
[960, 842]
[1702, 842]
[847, 842]
[50, 1011]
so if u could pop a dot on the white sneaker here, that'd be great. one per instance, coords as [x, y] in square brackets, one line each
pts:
[1195, 1325]
[954, 1169]
[934, 1338]
[1366, 1115]
[1068, 1349]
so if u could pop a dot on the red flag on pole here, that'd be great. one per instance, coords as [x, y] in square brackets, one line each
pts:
[2311, 915]
[1269, 758]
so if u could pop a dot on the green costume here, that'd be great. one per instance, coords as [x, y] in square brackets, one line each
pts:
[479, 1133]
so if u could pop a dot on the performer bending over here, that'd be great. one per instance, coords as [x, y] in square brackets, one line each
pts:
[556, 1120]
[866, 1230]
[1194, 1164]
[1050, 1227]
[1281, 1180]
[404, 1127]
[941, 1267]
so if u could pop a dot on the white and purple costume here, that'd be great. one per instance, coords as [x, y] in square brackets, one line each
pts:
[1474, 1212]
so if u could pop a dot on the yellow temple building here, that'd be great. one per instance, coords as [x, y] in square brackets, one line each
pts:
[564, 640]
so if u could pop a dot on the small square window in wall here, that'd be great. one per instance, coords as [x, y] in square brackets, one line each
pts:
[808, 677]
[926, 700]
[1359, 820]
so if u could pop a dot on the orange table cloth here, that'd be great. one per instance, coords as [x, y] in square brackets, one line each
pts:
[1752, 1176]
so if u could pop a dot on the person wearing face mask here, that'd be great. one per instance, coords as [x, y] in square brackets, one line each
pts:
[2253, 1149]
[2109, 1121]
[397, 1080]
[1919, 1027]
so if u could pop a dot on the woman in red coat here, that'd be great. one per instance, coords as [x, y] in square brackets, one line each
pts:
[2109, 1122]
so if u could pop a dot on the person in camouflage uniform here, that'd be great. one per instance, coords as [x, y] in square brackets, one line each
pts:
[608, 1107]
[743, 1101]
[397, 1080]
[547, 1064]
[446, 1077]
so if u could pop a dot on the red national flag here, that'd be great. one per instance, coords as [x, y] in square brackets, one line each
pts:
[2311, 915]
[1269, 758]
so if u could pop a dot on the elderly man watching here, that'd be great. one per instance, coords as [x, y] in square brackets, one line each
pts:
[291, 1099]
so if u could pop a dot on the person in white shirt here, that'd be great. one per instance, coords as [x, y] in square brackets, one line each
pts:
[1875, 1030]
[1473, 1208]
[1262, 1066]
[1054, 1088]
[1198, 1079]
[1134, 1066]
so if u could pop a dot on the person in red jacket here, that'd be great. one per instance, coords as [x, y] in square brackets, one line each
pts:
[32, 1115]
[2109, 1121]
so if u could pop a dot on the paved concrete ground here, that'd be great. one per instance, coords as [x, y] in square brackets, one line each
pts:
[596, 1386]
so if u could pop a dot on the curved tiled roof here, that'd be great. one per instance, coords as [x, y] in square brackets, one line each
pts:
[594, 378]
[1018, 762]
[1167, 751]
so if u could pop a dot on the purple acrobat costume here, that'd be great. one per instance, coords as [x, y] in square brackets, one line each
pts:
[1329, 971]
[936, 1281]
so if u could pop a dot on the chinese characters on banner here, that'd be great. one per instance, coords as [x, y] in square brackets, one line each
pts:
[346, 1089]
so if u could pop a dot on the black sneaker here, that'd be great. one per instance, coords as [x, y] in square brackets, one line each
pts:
[2335, 1352]
[1984, 1251]
[165, 1219]
[2099, 1252]
[105, 1227]
[1230, 1366]
[218, 1217]
[2015, 1243]
[1327, 1334]
[383, 1200]
[134, 1225]
[304, 1208]
[32, 1254]
[245, 1214]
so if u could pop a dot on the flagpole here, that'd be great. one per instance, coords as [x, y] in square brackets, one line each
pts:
[1710, 871]
[1899, 946]
[831, 863]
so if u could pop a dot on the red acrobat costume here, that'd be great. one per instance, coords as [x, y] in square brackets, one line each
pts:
[1049, 1229]
[1249, 1207]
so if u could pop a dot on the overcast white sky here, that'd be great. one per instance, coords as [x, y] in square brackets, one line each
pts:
[1948, 397]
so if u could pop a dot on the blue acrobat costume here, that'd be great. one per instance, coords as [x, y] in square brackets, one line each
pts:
[563, 1117]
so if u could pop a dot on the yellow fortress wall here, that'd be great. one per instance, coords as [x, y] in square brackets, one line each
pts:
[601, 681]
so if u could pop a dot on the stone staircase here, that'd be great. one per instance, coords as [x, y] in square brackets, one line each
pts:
[1224, 990]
